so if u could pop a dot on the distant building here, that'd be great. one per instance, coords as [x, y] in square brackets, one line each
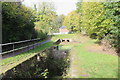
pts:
[63, 30]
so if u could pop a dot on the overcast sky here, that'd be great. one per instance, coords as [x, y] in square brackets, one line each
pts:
[62, 6]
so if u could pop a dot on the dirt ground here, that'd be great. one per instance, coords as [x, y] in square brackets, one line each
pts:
[104, 47]
[97, 48]
[101, 49]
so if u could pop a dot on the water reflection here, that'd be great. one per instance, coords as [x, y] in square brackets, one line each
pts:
[50, 63]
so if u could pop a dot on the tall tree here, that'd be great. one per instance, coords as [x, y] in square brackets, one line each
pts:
[113, 12]
[71, 21]
[46, 16]
[101, 20]
[18, 22]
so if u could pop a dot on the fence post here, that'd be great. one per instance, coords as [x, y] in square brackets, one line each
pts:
[28, 45]
[37, 43]
[33, 46]
[13, 50]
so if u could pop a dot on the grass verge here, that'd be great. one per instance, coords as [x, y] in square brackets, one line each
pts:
[86, 64]
[11, 62]
[96, 65]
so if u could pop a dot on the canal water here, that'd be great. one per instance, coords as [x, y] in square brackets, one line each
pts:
[50, 63]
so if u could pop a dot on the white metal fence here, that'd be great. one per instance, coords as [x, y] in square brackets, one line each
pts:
[31, 46]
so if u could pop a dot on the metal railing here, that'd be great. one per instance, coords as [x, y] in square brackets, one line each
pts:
[33, 45]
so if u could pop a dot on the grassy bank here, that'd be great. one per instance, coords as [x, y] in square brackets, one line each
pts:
[93, 65]
[84, 63]
[88, 64]
[11, 62]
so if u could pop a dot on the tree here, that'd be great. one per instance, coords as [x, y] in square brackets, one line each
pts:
[101, 20]
[113, 11]
[46, 16]
[18, 22]
[58, 22]
[71, 21]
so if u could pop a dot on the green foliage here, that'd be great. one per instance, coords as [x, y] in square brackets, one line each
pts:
[93, 19]
[113, 10]
[100, 19]
[46, 17]
[41, 31]
[71, 21]
[56, 65]
[58, 22]
[17, 22]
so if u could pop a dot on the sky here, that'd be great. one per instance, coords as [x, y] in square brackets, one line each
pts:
[61, 6]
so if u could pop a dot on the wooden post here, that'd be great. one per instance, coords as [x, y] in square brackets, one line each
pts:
[28, 45]
[13, 49]
[38, 57]
[34, 46]
[57, 47]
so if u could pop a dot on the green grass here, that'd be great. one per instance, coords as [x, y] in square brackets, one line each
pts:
[25, 54]
[97, 65]
[90, 64]
[11, 62]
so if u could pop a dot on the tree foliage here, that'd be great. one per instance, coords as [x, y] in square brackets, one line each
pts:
[21, 23]
[58, 22]
[46, 17]
[113, 10]
[93, 19]
[17, 22]
[71, 21]
[101, 20]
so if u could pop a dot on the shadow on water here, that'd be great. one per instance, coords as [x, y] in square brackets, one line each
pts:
[50, 63]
